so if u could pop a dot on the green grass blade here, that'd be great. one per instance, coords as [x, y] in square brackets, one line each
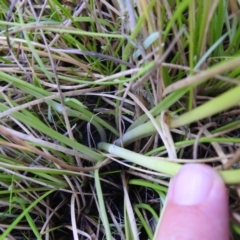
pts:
[226, 100]
[103, 212]
[18, 219]
[31, 223]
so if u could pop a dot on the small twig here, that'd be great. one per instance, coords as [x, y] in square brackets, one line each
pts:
[235, 159]
[93, 54]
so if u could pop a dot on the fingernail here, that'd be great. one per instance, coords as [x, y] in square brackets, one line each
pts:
[192, 185]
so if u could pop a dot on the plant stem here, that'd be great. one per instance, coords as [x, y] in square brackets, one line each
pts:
[165, 167]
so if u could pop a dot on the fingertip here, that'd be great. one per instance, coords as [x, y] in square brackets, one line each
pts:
[194, 184]
[197, 206]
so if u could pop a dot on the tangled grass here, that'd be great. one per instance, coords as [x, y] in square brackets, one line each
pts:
[101, 102]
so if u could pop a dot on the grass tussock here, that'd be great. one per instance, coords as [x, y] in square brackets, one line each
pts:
[102, 101]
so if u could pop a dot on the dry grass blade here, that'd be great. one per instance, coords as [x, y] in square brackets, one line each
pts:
[129, 209]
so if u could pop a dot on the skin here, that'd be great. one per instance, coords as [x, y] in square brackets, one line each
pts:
[197, 206]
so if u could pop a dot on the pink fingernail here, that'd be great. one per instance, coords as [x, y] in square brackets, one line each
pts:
[192, 185]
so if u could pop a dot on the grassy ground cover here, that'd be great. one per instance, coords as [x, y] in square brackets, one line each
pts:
[101, 102]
